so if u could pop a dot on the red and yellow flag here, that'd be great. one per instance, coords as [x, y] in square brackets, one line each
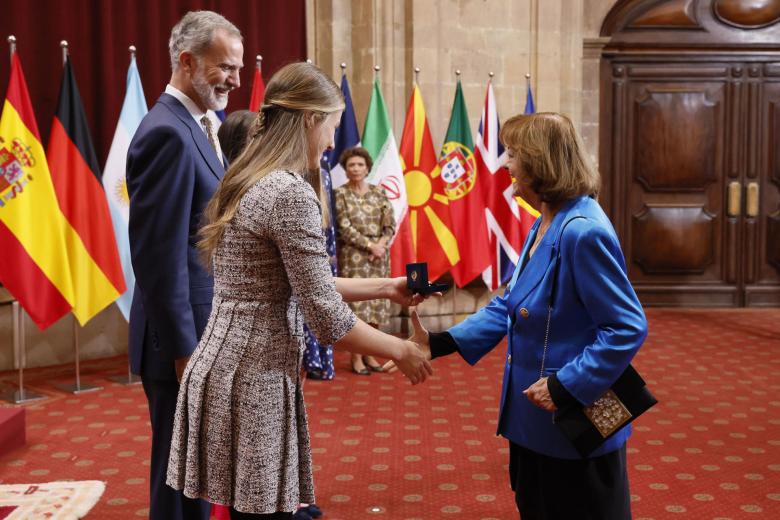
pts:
[428, 218]
[91, 245]
[34, 263]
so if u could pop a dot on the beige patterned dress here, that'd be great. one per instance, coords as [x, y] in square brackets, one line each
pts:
[360, 221]
[241, 436]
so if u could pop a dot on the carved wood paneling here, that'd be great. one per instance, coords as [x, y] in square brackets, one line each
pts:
[748, 14]
[773, 241]
[675, 139]
[673, 240]
[673, 14]
[773, 137]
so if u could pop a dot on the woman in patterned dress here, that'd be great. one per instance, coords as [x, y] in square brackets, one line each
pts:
[365, 224]
[240, 434]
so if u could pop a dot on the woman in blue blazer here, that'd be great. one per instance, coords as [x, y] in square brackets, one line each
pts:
[573, 259]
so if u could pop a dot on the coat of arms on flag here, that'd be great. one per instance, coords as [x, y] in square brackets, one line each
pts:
[11, 171]
[457, 170]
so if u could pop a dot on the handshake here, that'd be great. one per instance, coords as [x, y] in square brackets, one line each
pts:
[416, 361]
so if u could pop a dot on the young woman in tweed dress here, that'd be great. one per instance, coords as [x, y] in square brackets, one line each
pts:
[241, 436]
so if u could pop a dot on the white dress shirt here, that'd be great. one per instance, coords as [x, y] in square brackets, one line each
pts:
[197, 114]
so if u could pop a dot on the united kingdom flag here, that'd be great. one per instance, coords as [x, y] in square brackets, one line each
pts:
[507, 222]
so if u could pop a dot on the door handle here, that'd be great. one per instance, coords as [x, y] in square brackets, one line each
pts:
[751, 207]
[735, 199]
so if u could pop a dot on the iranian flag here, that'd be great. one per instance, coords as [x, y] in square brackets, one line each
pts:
[387, 171]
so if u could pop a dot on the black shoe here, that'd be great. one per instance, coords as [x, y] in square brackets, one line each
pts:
[362, 372]
[315, 374]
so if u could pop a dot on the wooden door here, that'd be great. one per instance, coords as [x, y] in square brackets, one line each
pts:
[690, 148]
[677, 127]
[762, 191]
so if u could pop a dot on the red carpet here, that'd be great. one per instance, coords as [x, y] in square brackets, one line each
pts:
[710, 449]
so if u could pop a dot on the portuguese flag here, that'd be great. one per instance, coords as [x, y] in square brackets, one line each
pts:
[34, 264]
[96, 270]
[467, 203]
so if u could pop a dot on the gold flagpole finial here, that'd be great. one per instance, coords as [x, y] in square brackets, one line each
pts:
[377, 68]
[417, 74]
[491, 74]
[343, 67]
[259, 62]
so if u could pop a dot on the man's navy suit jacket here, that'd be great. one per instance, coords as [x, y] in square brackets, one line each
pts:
[172, 172]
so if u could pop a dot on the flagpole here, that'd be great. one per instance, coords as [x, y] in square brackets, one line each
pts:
[416, 75]
[131, 378]
[259, 63]
[17, 319]
[76, 388]
[454, 286]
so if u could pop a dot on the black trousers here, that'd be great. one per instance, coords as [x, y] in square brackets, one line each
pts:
[237, 515]
[165, 502]
[548, 488]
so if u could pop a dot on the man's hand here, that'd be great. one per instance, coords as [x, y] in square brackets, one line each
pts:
[181, 364]
[539, 395]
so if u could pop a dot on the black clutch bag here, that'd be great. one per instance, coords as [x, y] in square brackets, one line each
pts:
[417, 279]
[587, 427]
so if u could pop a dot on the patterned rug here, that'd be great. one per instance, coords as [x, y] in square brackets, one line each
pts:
[385, 449]
[52, 500]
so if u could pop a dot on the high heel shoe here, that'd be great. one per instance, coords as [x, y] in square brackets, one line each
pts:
[362, 372]
[373, 368]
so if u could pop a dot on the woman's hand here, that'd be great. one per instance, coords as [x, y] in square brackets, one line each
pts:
[397, 291]
[539, 395]
[419, 337]
[377, 250]
[413, 362]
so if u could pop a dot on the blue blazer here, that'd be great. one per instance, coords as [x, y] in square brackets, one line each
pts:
[597, 325]
[172, 172]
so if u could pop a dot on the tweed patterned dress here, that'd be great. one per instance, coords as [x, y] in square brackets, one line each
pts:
[360, 221]
[241, 435]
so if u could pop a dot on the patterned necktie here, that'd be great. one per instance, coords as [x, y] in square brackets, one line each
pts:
[209, 132]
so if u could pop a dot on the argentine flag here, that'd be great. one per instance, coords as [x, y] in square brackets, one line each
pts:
[114, 183]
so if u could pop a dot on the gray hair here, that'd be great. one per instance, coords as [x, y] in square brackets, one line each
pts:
[195, 32]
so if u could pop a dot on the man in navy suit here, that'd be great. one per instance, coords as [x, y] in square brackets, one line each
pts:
[174, 165]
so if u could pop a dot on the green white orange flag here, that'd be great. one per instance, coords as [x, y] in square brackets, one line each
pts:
[34, 264]
[428, 217]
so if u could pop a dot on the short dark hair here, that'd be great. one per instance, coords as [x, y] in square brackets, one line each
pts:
[233, 133]
[355, 151]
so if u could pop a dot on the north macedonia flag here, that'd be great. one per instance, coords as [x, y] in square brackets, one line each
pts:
[425, 234]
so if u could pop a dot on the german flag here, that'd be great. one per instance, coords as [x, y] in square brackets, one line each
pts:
[34, 263]
[96, 270]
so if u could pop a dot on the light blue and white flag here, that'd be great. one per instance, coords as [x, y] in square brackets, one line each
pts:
[114, 182]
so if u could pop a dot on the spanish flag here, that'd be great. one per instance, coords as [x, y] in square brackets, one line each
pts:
[96, 270]
[428, 220]
[34, 264]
